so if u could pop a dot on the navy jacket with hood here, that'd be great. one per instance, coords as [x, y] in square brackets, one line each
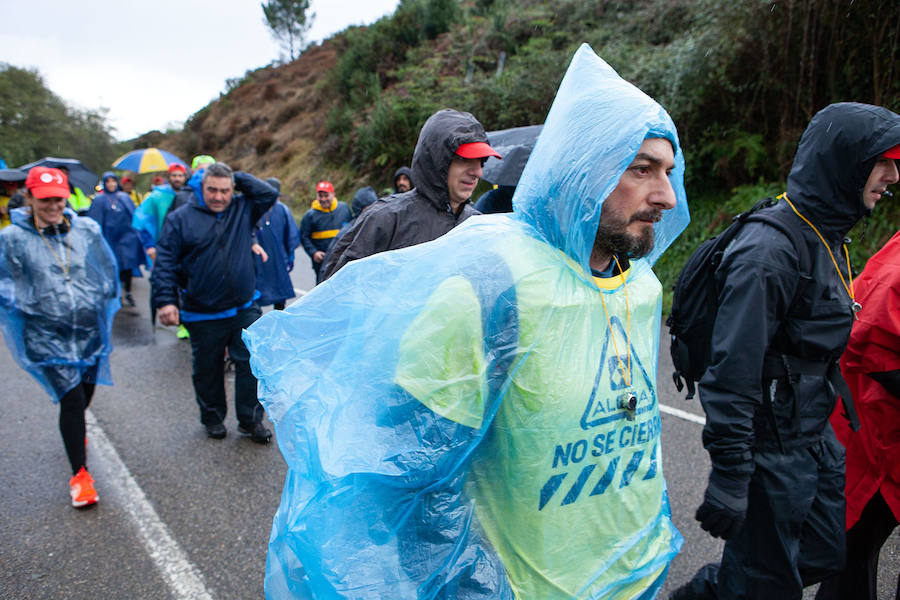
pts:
[114, 212]
[760, 276]
[423, 213]
[207, 254]
[279, 236]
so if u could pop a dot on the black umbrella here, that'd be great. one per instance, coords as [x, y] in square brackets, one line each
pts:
[515, 146]
[12, 175]
[79, 175]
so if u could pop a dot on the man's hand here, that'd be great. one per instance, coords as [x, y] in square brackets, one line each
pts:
[724, 507]
[318, 256]
[168, 314]
[151, 252]
[258, 250]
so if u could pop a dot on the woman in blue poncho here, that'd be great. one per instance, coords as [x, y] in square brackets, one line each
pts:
[58, 294]
[113, 209]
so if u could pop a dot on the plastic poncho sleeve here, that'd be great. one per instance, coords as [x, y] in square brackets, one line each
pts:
[441, 362]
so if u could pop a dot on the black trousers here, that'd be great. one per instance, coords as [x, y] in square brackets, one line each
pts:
[209, 339]
[794, 532]
[859, 580]
[125, 276]
[71, 423]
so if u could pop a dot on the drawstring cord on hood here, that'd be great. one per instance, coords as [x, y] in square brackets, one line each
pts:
[854, 305]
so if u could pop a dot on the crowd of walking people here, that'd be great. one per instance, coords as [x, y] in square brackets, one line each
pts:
[479, 415]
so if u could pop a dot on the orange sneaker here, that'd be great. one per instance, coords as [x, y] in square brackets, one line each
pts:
[81, 488]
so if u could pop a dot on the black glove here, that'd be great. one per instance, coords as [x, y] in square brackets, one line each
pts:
[724, 507]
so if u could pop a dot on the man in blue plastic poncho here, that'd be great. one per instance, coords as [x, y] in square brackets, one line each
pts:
[498, 434]
[58, 295]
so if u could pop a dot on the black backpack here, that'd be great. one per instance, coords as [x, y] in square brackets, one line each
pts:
[695, 301]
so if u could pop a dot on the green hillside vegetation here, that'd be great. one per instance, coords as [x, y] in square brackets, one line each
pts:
[741, 78]
[35, 122]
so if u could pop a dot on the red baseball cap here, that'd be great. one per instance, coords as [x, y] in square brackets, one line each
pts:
[177, 167]
[476, 150]
[127, 178]
[325, 186]
[893, 152]
[44, 182]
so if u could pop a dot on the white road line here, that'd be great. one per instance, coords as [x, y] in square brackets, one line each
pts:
[300, 293]
[184, 580]
[682, 414]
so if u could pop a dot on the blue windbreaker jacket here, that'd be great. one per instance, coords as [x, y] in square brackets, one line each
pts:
[207, 254]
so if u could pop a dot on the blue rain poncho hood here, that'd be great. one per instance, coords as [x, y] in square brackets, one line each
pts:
[578, 178]
[58, 330]
[408, 384]
[109, 175]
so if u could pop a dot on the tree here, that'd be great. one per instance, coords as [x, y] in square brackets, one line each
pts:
[35, 122]
[289, 22]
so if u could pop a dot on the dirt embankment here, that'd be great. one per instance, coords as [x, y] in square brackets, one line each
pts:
[273, 123]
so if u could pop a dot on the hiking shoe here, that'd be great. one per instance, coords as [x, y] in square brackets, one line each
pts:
[81, 488]
[182, 333]
[258, 432]
[216, 431]
[129, 299]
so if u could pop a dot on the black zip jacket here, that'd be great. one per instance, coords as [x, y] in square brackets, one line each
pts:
[423, 213]
[208, 254]
[769, 306]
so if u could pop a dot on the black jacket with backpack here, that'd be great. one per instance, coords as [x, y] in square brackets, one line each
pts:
[770, 304]
[423, 213]
[773, 378]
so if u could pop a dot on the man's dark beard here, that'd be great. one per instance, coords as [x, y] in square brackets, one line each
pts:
[614, 240]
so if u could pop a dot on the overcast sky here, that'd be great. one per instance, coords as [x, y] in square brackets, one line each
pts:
[153, 64]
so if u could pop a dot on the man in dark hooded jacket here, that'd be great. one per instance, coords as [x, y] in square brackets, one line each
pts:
[205, 275]
[403, 181]
[446, 167]
[776, 489]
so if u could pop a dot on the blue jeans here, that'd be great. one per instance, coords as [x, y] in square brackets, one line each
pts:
[209, 339]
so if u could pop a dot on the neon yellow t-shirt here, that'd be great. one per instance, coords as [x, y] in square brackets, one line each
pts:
[569, 492]
[4, 214]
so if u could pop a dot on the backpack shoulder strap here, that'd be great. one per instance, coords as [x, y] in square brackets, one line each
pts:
[777, 221]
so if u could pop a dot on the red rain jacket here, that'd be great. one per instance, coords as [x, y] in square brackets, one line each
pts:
[873, 453]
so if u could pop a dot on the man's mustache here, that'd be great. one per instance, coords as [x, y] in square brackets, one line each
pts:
[647, 215]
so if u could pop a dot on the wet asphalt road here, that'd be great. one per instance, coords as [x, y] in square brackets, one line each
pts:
[205, 505]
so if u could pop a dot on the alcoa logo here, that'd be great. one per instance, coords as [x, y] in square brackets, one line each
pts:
[51, 178]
